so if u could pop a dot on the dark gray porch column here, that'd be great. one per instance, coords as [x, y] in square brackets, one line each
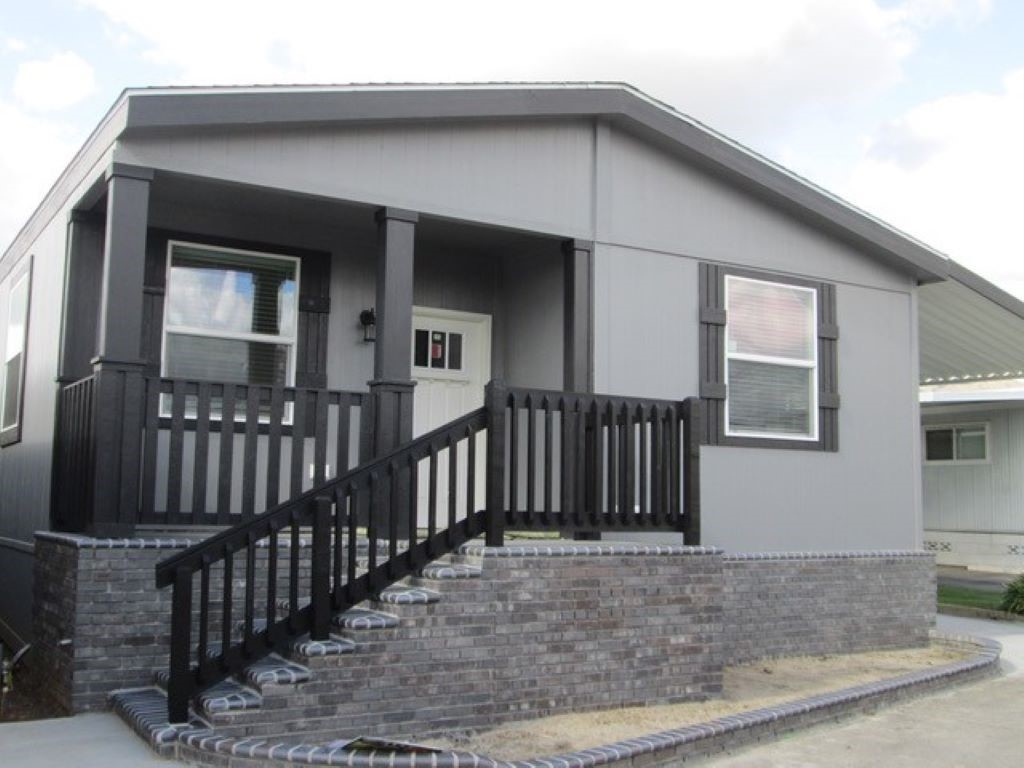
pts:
[392, 385]
[578, 376]
[82, 280]
[118, 365]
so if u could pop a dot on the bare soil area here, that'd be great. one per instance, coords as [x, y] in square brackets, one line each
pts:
[746, 687]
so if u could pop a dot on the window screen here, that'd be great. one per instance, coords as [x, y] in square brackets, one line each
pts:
[771, 359]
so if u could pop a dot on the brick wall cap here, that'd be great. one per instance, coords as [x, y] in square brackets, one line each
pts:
[851, 555]
[595, 549]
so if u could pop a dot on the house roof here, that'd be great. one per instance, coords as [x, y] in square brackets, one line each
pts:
[970, 331]
[187, 108]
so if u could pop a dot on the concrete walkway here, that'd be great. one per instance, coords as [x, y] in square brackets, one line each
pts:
[974, 725]
[97, 740]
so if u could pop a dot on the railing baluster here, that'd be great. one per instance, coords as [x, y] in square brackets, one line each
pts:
[393, 511]
[353, 532]
[149, 466]
[225, 469]
[320, 437]
[271, 605]
[250, 591]
[597, 513]
[227, 592]
[202, 453]
[176, 453]
[568, 463]
[691, 470]
[531, 459]
[629, 466]
[320, 570]
[453, 486]
[274, 446]
[371, 526]
[549, 468]
[414, 506]
[613, 466]
[673, 475]
[470, 472]
[642, 474]
[340, 522]
[657, 466]
[298, 442]
[513, 456]
[580, 473]
[203, 652]
[432, 493]
[294, 554]
[344, 425]
[252, 421]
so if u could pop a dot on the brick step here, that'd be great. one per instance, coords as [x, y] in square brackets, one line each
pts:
[407, 595]
[442, 571]
[362, 619]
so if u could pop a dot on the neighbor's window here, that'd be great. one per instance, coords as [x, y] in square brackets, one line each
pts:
[230, 316]
[771, 365]
[14, 356]
[957, 443]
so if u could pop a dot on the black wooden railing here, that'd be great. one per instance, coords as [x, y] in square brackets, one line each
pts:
[384, 492]
[75, 455]
[203, 453]
[600, 462]
[553, 460]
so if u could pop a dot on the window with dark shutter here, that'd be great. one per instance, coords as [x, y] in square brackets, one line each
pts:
[768, 362]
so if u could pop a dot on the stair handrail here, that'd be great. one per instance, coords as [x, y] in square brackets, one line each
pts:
[332, 508]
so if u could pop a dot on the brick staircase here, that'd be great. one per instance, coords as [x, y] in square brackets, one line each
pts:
[321, 692]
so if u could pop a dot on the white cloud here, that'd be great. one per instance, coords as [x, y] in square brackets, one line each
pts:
[949, 171]
[746, 66]
[60, 81]
[37, 149]
[14, 45]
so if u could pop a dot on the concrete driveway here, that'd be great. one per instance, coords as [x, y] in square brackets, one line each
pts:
[974, 725]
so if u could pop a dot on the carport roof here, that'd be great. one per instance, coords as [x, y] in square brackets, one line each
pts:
[970, 330]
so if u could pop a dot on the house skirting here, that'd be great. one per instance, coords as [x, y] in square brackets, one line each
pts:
[1002, 552]
[545, 629]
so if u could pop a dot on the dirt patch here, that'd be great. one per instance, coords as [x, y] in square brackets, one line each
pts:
[746, 687]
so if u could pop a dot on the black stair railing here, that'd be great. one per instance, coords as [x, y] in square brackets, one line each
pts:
[552, 460]
[256, 594]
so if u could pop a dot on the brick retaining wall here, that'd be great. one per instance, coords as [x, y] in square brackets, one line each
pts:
[806, 604]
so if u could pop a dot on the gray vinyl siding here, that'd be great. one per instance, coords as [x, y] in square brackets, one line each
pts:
[979, 497]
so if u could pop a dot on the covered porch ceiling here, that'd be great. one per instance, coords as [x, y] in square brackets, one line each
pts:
[971, 331]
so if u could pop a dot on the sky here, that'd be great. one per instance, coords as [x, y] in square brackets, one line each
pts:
[910, 109]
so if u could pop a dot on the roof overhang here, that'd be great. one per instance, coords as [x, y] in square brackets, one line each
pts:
[971, 337]
[173, 109]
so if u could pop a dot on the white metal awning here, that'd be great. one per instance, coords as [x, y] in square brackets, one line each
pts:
[969, 330]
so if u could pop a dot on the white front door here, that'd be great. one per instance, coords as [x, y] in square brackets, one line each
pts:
[451, 364]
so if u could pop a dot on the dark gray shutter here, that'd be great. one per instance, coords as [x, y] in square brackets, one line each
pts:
[828, 368]
[314, 312]
[712, 351]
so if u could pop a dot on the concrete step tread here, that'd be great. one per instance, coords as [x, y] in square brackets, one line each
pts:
[333, 646]
[446, 571]
[229, 696]
[274, 670]
[402, 595]
[365, 618]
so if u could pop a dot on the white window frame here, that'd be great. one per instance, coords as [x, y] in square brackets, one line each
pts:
[11, 433]
[956, 462]
[185, 330]
[811, 364]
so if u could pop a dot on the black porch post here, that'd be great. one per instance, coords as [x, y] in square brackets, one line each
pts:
[118, 365]
[391, 388]
[578, 314]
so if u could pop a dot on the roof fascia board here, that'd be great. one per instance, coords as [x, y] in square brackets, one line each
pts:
[164, 110]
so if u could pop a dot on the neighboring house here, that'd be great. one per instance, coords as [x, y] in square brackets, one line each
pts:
[972, 416]
[208, 250]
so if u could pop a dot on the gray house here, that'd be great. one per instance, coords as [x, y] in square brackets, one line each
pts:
[245, 295]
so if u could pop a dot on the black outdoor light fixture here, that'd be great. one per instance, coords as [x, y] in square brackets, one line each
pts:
[368, 319]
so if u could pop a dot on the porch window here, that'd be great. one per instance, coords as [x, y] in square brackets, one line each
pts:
[771, 359]
[14, 356]
[230, 316]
